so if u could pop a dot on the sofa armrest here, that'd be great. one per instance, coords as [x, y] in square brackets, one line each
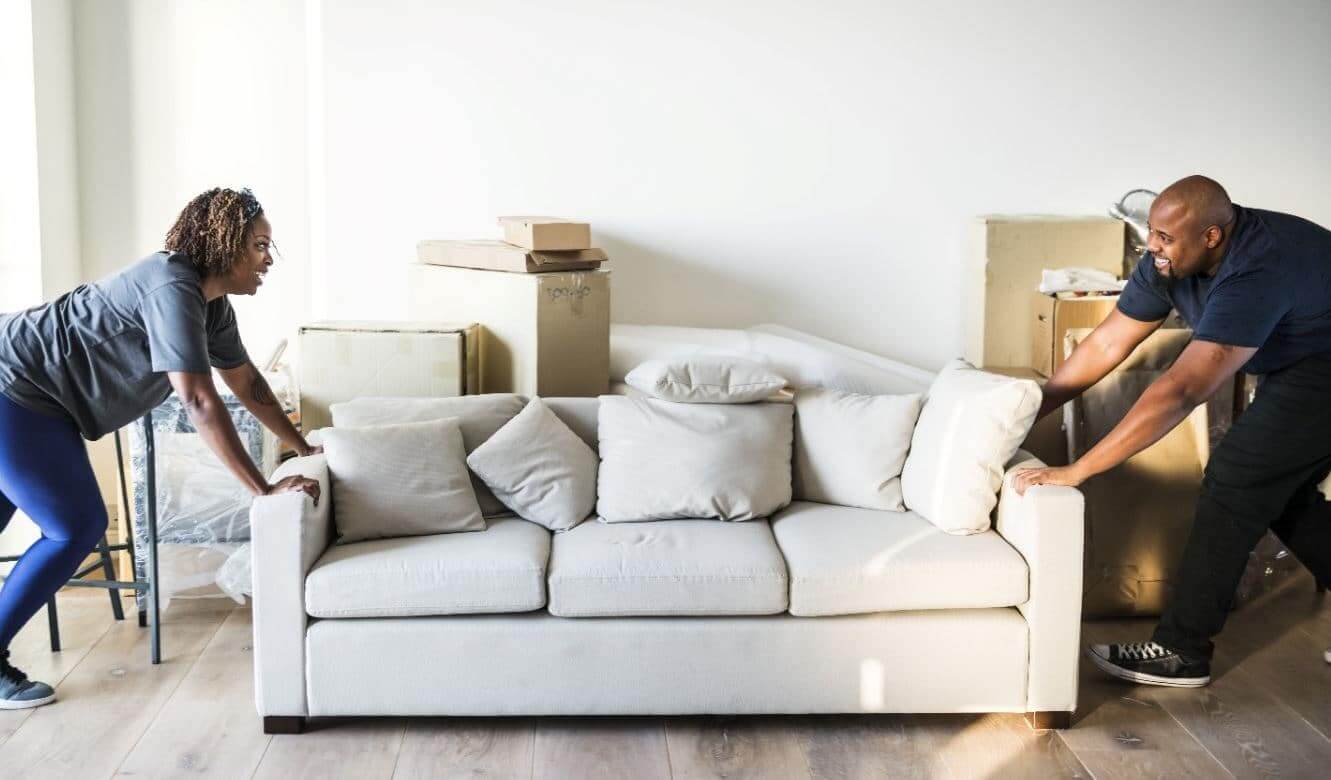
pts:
[1046, 526]
[288, 534]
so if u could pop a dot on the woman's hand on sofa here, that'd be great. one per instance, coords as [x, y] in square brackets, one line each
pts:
[295, 484]
[1070, 476]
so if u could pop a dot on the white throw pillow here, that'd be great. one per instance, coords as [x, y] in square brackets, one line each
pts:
[850, 448]
[400, 480]
[705, 379]
[479, 416]
[662, 460]
[971, 426]
[539, 468]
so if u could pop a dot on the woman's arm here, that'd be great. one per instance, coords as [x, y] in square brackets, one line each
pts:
[247, 382]
[209, 416]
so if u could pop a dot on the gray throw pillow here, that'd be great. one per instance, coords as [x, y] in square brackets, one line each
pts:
[409, 479]
[539, 468]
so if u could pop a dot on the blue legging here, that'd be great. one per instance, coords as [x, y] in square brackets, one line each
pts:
[44, 471]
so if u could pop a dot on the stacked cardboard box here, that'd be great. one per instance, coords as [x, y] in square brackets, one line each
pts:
[539, 296]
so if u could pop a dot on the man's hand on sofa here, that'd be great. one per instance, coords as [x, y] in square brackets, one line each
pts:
[294, 484]
[1071, 476]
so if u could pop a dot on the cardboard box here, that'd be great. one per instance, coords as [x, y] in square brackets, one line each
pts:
[1005, 258]
[499, 256]
[1139, 513]
[547, 233]
[1054, 317]
[544, 334]
[340, 361]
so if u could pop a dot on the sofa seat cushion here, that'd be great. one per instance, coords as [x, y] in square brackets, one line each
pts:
[845, 561]
[667, 567]
[500, 569]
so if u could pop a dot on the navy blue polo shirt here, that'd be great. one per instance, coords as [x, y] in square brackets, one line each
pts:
[1272, 291]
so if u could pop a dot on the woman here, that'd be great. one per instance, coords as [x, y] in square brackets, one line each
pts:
[101, 356]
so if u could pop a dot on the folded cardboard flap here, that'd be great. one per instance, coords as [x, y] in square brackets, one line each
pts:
[389, 326]
[501, 256]
[546, 233]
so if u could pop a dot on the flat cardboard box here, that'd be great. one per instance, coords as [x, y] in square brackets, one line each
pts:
[544, 334]
[340, 361]
[546, 233]
[1053, 317]
[1005, 258]
[500, 256]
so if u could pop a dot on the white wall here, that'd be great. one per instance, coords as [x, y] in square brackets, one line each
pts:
[805, 163]
[57, 156]
[175, 98]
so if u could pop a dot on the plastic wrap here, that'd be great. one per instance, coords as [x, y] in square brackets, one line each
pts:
[203, 511]
[804, 360]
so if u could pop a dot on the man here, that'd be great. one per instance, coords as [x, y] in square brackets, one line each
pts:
[1255, 287]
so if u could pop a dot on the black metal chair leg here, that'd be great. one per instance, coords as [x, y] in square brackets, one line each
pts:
[117, 608]
[155, 614]
[53, 622]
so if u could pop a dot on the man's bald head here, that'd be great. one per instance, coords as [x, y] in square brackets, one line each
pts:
[1190, 224]
[1198, 201]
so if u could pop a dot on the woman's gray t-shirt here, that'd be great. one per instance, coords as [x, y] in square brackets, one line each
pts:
[99, 354]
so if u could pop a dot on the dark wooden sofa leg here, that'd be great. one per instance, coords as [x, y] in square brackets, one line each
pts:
[283, 724]
[1041, 721]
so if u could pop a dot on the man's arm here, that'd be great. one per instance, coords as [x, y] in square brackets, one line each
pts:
[1197, 374]
[1101, 352]
[247, 382]
[210, 418]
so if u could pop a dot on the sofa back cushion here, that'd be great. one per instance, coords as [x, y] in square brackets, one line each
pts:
[579, 414]
[663, 460]
[400, 480]
[850, 448]
[479, 416]
[971, 426]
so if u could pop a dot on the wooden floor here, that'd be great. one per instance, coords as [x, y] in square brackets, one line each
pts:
[1267, 714]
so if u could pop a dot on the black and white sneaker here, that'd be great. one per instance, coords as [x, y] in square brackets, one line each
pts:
[17, 692]
[1151, 664]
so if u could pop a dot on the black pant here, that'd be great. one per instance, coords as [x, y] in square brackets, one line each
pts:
[1263, 475]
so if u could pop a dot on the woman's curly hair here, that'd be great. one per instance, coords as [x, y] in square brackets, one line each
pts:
[212, 229]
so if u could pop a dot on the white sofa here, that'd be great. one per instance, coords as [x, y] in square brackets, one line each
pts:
[820, 609]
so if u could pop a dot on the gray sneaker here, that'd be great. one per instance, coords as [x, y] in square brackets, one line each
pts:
[17, 692]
